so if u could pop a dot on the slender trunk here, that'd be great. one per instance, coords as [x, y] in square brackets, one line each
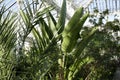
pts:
[61, 73]
[62, 68]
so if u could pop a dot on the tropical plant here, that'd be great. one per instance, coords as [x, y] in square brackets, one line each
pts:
[104, 49]
[35, 46]
[7, 43]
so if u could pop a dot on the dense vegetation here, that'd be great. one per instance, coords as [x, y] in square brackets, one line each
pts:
[34, 45]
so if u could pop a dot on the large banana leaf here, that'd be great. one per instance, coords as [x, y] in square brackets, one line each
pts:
[61, 22]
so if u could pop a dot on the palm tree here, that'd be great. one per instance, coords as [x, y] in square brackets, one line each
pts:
[35, 46]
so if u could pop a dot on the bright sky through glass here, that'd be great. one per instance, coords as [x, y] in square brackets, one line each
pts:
[8, 3]
[112, 5]
[101, 5]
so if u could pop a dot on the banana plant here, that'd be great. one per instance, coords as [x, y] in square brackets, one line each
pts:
[44, 48]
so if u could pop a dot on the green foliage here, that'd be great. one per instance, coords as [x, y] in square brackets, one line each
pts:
[104, 49]
[61, 22]
[36, 46]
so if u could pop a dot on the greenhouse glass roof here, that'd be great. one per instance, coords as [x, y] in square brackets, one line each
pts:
[89, 5]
